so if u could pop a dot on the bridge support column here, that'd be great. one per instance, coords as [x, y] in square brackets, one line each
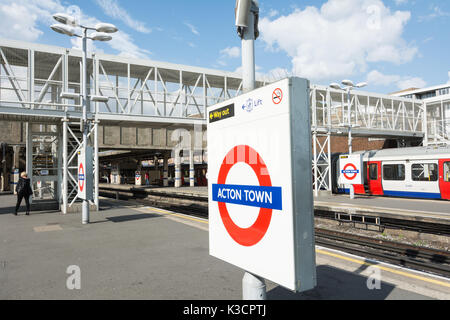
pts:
[29, 153]
[177, 169]
[191, 169]
[65, 166]
[166, 171]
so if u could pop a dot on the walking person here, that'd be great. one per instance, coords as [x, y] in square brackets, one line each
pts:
[23, 191]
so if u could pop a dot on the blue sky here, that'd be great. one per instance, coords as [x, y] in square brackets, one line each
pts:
[392, 44]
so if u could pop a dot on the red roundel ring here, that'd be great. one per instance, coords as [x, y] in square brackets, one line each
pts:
[81, 170]
[351, 166]
[250, 236]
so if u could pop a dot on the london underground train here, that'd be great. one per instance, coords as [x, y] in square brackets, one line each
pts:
[419, 172]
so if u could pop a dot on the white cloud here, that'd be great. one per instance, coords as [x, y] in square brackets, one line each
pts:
[231, 52]
[339, 39]
[114, 10]
[193, 28]
[28, 19]
[377, 78]
[436, 12]
[19, 18]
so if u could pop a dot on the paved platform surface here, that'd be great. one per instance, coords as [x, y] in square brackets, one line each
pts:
[130, 252]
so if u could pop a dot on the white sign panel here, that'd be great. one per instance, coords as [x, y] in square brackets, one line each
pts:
[138, 178]
[260, 185]
[85, 174]
[350, 169]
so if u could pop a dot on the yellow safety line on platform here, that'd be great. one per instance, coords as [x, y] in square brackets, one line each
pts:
[402, 273]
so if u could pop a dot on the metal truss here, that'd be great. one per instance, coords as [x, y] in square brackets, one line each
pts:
[371, 115]
[144, 92]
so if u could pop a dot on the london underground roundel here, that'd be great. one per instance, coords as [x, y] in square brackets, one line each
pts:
[81, 177]
[350, 171]
[264, 196]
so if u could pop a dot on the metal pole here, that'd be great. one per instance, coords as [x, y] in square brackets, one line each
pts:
[85, 210]
[166, 170]
[253, 287]
[191, 169]
[65, 167]
[350, 148]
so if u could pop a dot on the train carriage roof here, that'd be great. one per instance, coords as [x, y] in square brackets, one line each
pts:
[433, 152]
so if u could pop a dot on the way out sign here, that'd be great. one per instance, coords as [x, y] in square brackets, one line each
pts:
[260, 185]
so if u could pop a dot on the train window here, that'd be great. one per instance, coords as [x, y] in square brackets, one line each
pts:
[373, 171]
[447, 171]
[424, 172]
[395, 172]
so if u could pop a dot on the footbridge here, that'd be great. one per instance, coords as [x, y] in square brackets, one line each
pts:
[160, 106]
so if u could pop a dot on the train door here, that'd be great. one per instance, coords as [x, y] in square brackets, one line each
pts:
[444, 178]
[423, 179]
[374, 178]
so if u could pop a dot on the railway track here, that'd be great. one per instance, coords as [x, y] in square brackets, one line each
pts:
[401, 254]
[410, 256]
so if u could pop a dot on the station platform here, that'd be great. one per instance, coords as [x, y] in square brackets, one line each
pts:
[140, 252]
[416, 210]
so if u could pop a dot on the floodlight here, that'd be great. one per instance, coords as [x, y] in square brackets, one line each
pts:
[361, 85]
[348, 83]
[63, 29]
[65, 19]
[100, 36]
[336, 86]
[69, 95]
[95, 98]
[106, 27]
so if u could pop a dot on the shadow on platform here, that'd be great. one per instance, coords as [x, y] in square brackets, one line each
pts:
[335, 284]
[133, 217]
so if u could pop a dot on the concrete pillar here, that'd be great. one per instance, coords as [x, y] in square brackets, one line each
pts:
[191, 169]
[166, 171]
[4, 180]
[177, 169]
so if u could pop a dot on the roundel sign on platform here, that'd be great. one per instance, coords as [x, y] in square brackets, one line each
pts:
[264, 196]
[350, 171]
[81, 177]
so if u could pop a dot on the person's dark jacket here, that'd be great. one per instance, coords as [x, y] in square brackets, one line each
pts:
[24, 187]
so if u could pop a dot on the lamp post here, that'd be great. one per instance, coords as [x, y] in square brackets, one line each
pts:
[349, 86]
[67, 25]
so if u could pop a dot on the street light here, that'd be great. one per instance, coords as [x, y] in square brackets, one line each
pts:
[349, 86]
[67, 25]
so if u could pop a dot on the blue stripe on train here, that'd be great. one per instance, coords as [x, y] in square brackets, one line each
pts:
[404, 194]
[407, 194]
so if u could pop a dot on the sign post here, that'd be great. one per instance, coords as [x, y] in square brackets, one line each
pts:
[350, 169]
[260, 185]
[85, 173]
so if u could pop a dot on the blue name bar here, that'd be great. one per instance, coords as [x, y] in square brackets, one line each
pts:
[252, 196]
